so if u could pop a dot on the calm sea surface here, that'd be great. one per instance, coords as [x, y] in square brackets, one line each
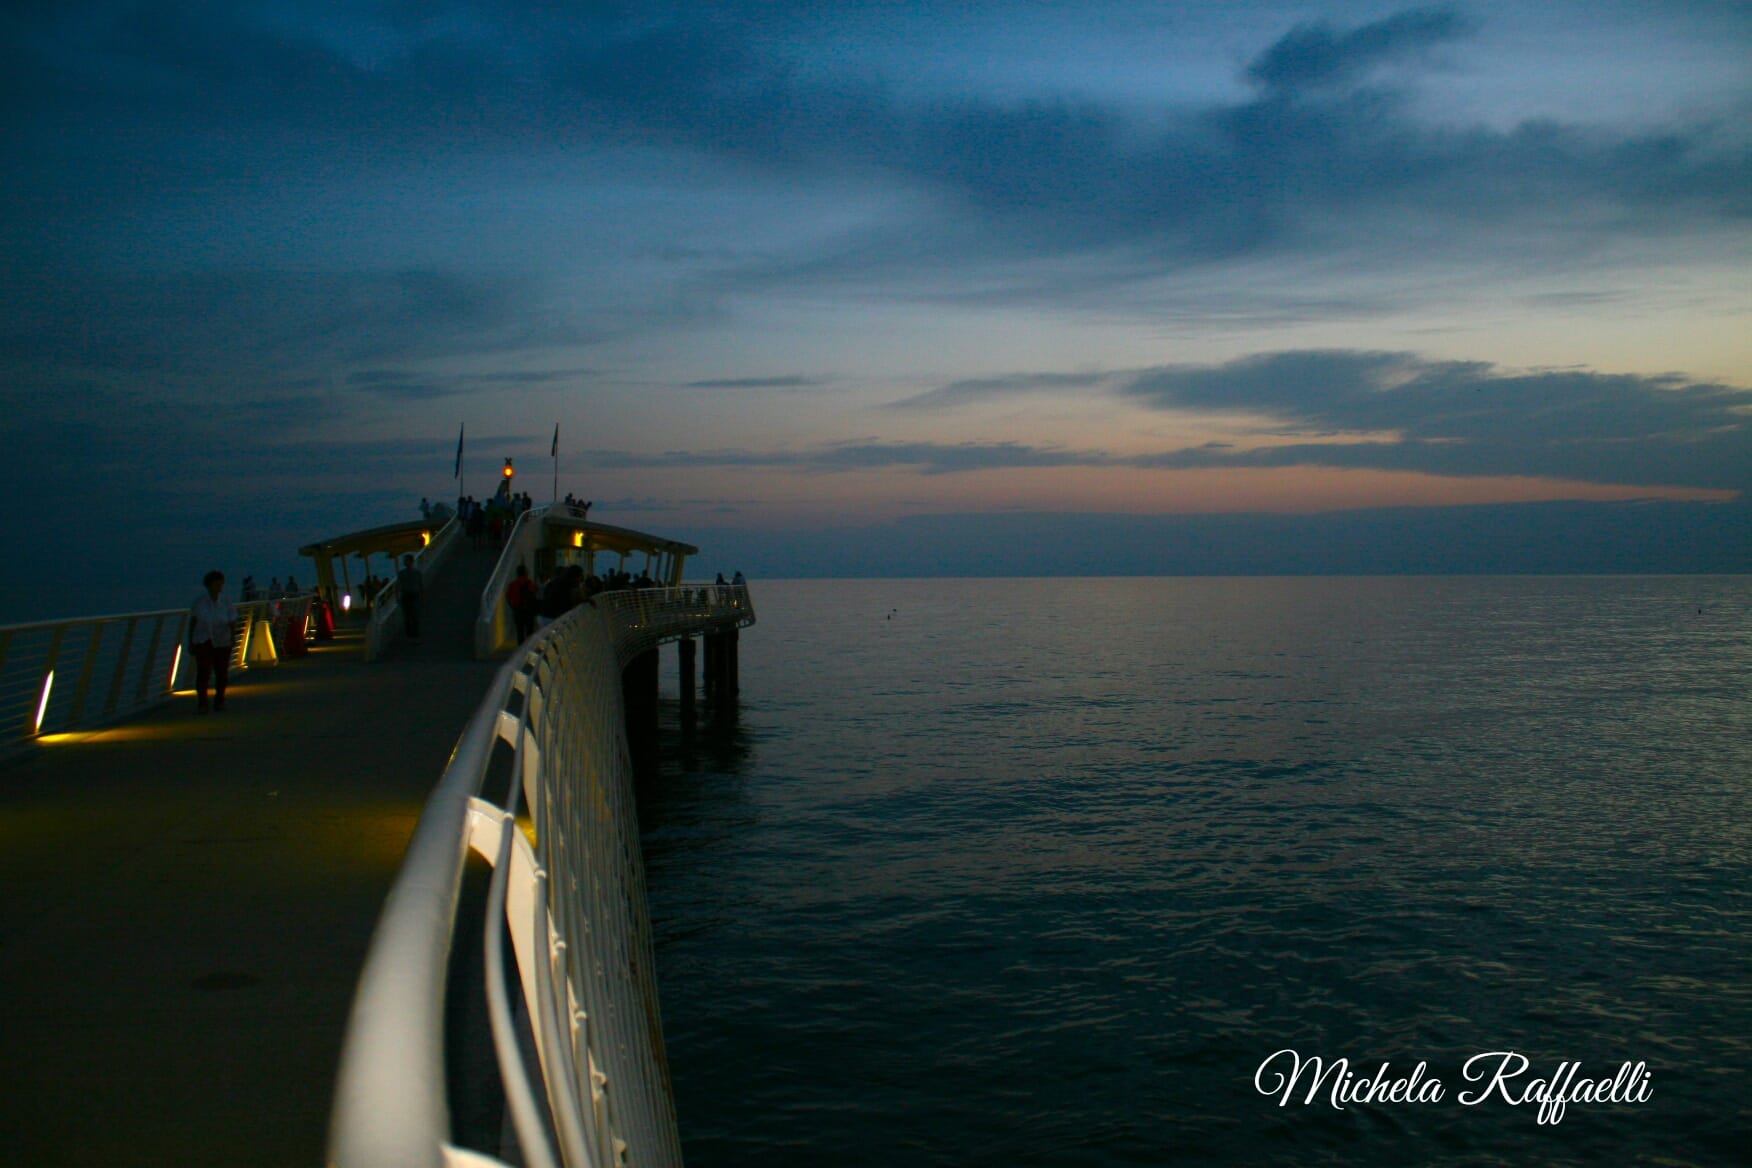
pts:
[1041, 871]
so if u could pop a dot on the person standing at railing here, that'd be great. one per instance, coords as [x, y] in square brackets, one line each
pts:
[210, 621]
[409, 584]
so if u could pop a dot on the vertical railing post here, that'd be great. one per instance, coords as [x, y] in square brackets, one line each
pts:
[77, 713]
[146, 666]
[114, 697]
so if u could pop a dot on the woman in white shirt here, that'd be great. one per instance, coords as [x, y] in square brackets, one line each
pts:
[210, 621]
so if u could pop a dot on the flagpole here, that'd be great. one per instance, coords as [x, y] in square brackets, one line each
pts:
[555, 452]
[461, 483]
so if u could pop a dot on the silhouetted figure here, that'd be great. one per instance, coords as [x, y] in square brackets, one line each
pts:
[410, 584]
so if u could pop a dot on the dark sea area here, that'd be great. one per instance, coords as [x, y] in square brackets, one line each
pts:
[1017, 872]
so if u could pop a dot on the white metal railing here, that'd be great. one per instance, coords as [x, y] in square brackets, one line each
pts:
[595, 1090]
[386, 604]
[81, 672]
[59, 675]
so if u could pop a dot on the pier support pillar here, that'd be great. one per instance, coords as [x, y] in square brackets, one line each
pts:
[685, 650]
[639, 687]
[721, 668]
[732, 663]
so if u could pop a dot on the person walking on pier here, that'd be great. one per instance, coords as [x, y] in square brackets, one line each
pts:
[410, 584]
[210, 621]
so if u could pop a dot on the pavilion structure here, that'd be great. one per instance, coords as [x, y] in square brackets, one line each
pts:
[391, 541]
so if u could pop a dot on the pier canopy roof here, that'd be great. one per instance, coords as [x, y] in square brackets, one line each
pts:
[392, 539]
[575, 531]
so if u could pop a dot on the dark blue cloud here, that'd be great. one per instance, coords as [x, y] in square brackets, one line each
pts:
[1312, 55]
[223, 93]
[267, 327]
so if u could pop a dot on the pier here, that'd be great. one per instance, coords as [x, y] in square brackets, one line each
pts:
[193, 898]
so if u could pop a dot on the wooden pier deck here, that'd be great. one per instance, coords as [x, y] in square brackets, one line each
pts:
[188, 898]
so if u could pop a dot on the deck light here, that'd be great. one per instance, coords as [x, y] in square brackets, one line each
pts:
[43, 702]
[175, 664]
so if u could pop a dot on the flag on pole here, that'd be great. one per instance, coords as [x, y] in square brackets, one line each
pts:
[458, 472]
[555, 452]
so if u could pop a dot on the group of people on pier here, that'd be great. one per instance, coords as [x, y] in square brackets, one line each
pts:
[250, 590]
[487, 524]
[537, 603]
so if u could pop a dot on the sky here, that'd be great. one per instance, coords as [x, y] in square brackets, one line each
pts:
[803, 281]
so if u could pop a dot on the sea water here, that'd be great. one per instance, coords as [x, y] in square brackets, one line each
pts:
[992, 872]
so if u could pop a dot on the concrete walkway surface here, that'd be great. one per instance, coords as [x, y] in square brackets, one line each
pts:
[188, 897]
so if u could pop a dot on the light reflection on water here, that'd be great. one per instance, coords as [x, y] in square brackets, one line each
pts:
[1011, 872]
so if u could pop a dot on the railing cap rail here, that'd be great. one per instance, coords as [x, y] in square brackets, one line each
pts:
[105, 618]
[86, 620]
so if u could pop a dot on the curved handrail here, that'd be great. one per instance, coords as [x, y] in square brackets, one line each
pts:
[582, 939]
